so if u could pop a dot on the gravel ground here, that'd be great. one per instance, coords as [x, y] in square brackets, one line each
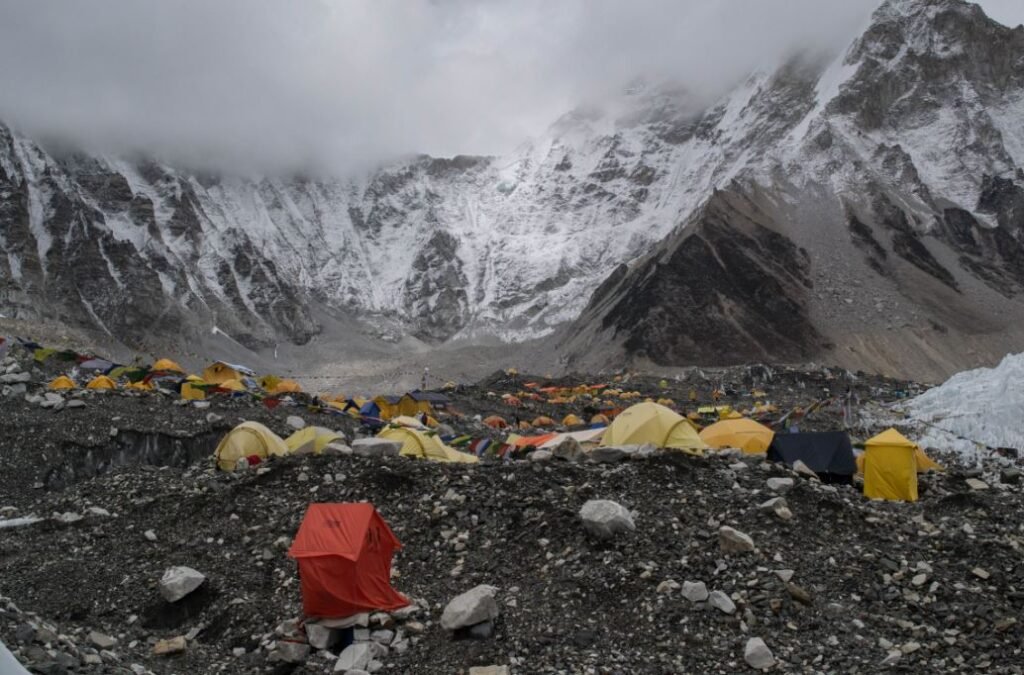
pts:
[935, 586]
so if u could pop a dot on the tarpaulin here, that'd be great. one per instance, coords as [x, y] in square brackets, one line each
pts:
[344, 553]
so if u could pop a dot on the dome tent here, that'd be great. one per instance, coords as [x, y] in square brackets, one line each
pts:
[653, 424]
[248, 439]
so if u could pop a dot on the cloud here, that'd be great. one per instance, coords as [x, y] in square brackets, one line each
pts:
[279, 84]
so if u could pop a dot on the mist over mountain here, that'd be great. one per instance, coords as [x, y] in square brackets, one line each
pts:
[712, 182]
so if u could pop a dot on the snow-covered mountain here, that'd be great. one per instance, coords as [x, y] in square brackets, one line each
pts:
[834, 199]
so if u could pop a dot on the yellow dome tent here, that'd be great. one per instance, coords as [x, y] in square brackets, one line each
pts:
[543, 421]
[746, 434]
[62, 383]
[190, 391]
[246, 440]
[890, 467]
[571, 420]
[655, 424]
[286, 387]
[101, 382]
[417, 443]
[311, 440]
[218, 372]
[232, 385]
[167, 364]
[141, 385]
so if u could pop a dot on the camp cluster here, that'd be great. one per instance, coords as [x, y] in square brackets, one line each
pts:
[416, 424]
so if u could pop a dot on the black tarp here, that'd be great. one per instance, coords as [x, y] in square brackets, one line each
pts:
[827, 453]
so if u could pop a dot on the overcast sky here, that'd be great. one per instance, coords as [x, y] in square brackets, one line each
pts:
[278, 82]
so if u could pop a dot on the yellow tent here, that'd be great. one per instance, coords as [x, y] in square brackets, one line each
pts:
[141, 385]
[409, 406]
[311, 440]
[62, 383]
[286, 387]
[655, 424]
[417, 443]
[101, 382]
[246, 440]
[745, 434]
[219, 371]
[191, 392]
[167, 364]
[268, 382]
[599, 419]
[543, 421]
[890, 467]
[923, 461]
[231, 385]
[571, 420]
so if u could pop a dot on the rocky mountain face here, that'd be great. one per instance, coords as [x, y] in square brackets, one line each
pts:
[880, 226]
[861, 208]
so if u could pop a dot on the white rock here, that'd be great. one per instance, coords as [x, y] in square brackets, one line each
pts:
[667, 586]
[336, 449]
[75, 403]
[357, 656]
[757, 655]
[733, 541]
[605, 519]
[695, 591]
[320, 636]
[101, 641]
[295, 422]
[384, 637]
[489, 670]
[472, 607]
[569, 450]
[804, 470]
[722, 602]
[891, 659]
[976, 484]
[784, 575]
[290, 652]
[150, 535]
[540, 456]
[177, 582]
[780, 484]
[375, 447]
[778, 506]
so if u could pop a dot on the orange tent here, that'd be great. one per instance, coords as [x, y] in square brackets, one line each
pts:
[543, 421]
[286, 387]
[535, 441]
[167, 365]
[495, 422]
[344, 553]
[599, 419]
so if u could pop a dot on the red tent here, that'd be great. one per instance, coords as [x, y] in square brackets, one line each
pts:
[344, 554]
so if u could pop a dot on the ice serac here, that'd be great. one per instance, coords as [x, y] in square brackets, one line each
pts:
[865, 207]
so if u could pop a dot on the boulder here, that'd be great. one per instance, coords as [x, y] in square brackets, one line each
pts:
[540, 456]
[296, 422]
[780, 484]
[357, 656]
[336, 449]
[609, 455]
[75, 403]
[722, 602]
[976, 484]
[320, 636]
[733, 541]
[290, 652]
[757, 655]
[174, 645]
[695, 591]
[605, 519]
[376, 447]
[101, 641]
[569, 450]
[472, 607]
[15, 378]
[177, 582]
[804, 470]
[777, 506]
[1009, 476]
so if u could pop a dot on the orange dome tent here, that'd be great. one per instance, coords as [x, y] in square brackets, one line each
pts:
[62, 383]
[543, 421]
[571, 420]
[101, 382]
[599, 419]
[495, 422]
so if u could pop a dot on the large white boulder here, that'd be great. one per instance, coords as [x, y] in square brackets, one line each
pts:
[376, 447]
[605, 519]
[472, 607]
[177, 582]
[757, 655]
[357, 656]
